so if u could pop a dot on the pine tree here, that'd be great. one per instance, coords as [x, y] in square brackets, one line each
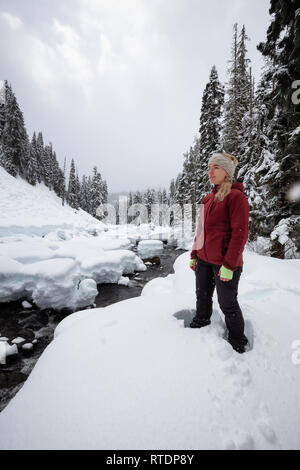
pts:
[40, 156]
[58, 178]
[72, 196]
[210, 118]
[15, 144]
[64, 183]
[47, 162]
[2, 109]
[172, 193]
[147, 201]
[237, 94]
[78, 187]
[130, 199]
[164, 197]
[104, 191]
[32, 170]
[61, 189]
[96, 191]
[282, 52]
[137, 198]
[89, 195]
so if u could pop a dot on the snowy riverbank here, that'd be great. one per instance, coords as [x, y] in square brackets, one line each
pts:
[55, 256]
[130, 376]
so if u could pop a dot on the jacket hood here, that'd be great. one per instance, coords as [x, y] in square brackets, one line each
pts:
[235, 185]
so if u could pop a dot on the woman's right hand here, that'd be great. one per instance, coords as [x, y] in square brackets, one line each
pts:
[193, 264]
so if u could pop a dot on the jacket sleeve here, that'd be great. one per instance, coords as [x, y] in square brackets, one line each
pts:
[194, 252]
[239, 222]
[198, 239]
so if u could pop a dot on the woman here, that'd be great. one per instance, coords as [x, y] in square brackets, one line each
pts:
[216, 255]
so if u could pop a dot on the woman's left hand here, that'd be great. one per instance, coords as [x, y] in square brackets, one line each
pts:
[225, 279]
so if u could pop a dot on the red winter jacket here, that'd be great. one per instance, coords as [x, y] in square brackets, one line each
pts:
[224, 233]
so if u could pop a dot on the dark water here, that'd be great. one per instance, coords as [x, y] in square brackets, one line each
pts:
[111, 293]
[39, 325]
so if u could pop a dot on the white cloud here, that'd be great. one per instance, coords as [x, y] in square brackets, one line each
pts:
[76, 67]
[51, 66]
[114, 49]
[11, 20]
[128, 50]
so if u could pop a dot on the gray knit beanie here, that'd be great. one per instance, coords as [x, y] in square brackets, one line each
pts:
[224, 162]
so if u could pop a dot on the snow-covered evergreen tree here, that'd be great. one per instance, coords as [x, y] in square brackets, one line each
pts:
[137, 198]
[104, 191]
[72, 196]
[83, 194]
[237, 95]
[40, 156]
[172, 192]
[96, 191]
[58, 178]
[48, 163]
[89, 194]
[15, 143]
[164, 197]
[282, 52]
[2, 109]
[64, 182]
[210, 118]
[150, 197]
[32, 169]
[78, 187]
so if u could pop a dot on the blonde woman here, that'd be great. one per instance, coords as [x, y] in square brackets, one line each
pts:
[217, 252]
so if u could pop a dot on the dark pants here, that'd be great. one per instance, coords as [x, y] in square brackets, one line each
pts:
[206, 280]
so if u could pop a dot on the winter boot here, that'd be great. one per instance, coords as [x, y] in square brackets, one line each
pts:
[239, 345]
[199, 322]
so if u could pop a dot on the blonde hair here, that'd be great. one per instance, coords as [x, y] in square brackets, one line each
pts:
[225, 187]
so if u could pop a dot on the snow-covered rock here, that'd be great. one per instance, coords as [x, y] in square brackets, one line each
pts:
[27, 346]
[18, 340]
[124, 281]
[6, 350]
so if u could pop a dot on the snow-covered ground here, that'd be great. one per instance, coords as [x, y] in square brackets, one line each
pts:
[130, 376]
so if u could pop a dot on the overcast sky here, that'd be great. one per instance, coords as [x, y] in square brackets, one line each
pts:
[118, 83]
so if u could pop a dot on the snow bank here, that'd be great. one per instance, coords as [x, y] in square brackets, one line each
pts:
[57, 282]
[35, 210]
[130, 376]
[51, 283]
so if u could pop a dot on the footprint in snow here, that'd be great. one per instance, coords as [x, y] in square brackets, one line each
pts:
[267, 432]
[264, 426]
[241, 442]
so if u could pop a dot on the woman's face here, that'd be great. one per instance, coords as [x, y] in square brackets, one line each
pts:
[216, 174]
